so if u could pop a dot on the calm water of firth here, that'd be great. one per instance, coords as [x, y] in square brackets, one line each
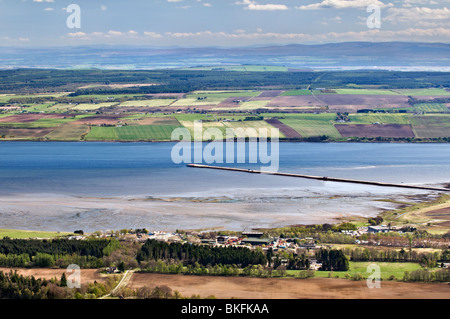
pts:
[146, 170]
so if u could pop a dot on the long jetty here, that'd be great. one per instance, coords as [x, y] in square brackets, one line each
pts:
[321, 178]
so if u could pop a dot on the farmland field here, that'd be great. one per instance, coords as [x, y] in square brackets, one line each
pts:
[147, 103]
[366, 92]
[296, 92]
[309, 128]
[387, 269]
[380, 118]
[431, 126]
[248, 126]
[145, 132]
[99, 133]
[68, 132]
[375, 130]
[431, 107]
[284, 288]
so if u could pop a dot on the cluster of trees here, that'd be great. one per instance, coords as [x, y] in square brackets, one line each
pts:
[16, 286]
[204, 255]
[89, 247]
[428, 259]
[55, 253]
[332, 259]
[425, 275]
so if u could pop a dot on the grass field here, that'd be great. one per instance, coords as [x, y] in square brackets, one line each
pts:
[387, 270]
[423, 92]
[253, 105]
[310, 127]
[99, 133]
[431, 126]
[92, 106]
[431, 107]
[371, 118]
[25, 234]
[145, 132]
[247, 126]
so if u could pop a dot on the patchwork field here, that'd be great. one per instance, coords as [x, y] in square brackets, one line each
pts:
[286, 130]
[301, 112]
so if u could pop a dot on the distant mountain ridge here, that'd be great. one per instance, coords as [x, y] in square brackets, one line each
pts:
[344, 55]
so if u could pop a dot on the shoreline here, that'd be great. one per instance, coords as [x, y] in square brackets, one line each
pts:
[441, 201]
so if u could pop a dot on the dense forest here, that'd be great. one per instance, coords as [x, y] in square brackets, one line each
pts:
[171, 81]
[203, 255]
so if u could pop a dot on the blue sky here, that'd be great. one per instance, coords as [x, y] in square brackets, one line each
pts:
[221, 22]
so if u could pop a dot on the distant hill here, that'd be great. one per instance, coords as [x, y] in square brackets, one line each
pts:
[346, 55]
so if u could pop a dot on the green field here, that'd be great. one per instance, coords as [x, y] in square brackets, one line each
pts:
[431, 107]
[430, 126]
[145, 132]
[382, 118]
[423, 92]
[92, 106]
[25, 234]
[99, 133]
[387, 270]
[312, 127]
[252, 127]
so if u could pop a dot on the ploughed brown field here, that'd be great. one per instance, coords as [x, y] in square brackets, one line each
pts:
[278, 288]
[364, 100]
[27, 118]
[87, 275]
[100, 119]
[375, 130]
[295, 101]
[229, 101]
[24, 132]
[287, 131]
[441, 214]
[267, 94]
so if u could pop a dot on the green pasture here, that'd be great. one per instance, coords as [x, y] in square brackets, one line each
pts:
[387, 269]
[25, 234]
[310, 127]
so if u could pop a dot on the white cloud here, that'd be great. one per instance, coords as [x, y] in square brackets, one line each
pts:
[103, 7]
[49, 9]
[241, 37]
[43, 0]
[416, 14]
[253, 5]
[343, 4]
